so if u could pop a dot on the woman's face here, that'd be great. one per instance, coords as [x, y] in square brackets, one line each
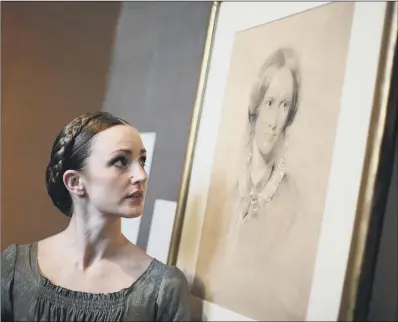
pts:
[114, 177]
[273, 111]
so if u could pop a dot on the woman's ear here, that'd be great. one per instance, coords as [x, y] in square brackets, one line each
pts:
[74, 183]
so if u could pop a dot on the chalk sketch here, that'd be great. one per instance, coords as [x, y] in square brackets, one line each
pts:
[271, 166]
[131, 226]
[272, 109]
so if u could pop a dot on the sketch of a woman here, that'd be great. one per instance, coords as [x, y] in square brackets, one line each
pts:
[272, 109]
[264, 245]
[272, 161]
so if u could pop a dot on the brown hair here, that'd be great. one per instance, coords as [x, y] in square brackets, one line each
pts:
[70, 151]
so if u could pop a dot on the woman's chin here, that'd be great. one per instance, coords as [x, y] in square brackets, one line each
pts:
[132, 212]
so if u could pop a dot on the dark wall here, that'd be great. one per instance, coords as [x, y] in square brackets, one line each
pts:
[154, 74]
[384, 300]
[55, 60]
[54, 64]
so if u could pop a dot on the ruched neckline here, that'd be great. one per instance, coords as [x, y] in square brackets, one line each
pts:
[61, 294]
[160, 294]
[71, 304]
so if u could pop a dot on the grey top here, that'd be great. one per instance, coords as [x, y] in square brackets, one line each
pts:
[160, 294]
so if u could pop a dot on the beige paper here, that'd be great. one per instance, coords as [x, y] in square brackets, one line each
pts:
[269, 180]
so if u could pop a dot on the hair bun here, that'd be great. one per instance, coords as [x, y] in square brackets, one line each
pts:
[60, 162]
[70, 151]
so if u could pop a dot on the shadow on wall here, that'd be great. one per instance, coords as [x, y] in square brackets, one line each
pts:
[383, 305]
[198, 289]
[55, 58]
[153, 85]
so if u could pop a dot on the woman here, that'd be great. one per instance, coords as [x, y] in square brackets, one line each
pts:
[261, 268]
[272, 109]
[90, 271]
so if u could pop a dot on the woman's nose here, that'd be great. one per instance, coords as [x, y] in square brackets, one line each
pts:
[138, 174]
[272, 117]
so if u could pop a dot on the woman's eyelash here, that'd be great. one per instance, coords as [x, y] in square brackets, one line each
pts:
[143, 160]
[120, 161]
[123, 161]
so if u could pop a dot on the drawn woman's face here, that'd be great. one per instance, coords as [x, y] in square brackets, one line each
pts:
[273, 111]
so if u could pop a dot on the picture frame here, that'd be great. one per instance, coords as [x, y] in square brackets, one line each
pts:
[355, 159]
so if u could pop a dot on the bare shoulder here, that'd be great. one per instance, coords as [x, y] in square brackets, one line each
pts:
[47, 244]
[51, 252]
[134, 259]
[167, 278]
[134, 253]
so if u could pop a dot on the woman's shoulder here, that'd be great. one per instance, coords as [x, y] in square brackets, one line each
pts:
[12, 251]
[8, 259]
[167, 277]
[9, 252]
[170, 281]
[13, 257]
[173, 293]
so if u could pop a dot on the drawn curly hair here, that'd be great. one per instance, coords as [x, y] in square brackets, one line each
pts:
[70, 151]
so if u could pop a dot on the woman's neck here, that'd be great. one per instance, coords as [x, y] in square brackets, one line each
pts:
[261, 167]
[93, 237]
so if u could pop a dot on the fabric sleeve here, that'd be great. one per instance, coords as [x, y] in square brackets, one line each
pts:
[173, 297]
[8, 258]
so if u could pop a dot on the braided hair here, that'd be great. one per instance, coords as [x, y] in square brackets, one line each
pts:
[70, 151]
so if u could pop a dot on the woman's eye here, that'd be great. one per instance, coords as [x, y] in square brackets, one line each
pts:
[268, 103]
[143, 161]
[285, 105]
[120, 162]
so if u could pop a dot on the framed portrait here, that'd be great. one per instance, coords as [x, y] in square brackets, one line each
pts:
[285, 139]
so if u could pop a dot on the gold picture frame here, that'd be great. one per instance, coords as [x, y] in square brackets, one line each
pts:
[369, 170]
[371, 166]
[197, 108]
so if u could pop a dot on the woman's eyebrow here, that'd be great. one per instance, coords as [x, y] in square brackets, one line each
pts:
[127, 151]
